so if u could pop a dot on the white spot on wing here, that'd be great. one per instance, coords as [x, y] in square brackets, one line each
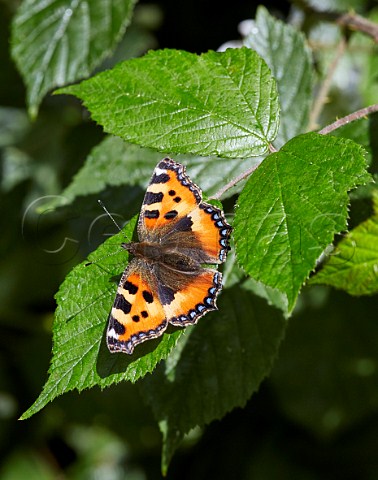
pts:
[112, 333]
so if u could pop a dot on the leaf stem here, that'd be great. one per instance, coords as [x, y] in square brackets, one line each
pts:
[363, 112]
[272, 149]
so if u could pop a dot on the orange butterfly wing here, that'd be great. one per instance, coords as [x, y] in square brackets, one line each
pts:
[137, 314]
[165, 282]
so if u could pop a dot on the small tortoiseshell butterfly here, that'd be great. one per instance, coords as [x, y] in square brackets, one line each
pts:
[166, 281]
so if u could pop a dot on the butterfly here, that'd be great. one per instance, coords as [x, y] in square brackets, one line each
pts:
[167, 280]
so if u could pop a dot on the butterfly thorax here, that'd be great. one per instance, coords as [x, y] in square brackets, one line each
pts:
[168, 255]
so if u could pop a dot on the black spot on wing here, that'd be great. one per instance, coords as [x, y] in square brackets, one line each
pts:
[151, 213]
[118, 327]
[152, 197]
[162, 178]
[148, 296]
[171, 215]
[122, 304]
[130, 287]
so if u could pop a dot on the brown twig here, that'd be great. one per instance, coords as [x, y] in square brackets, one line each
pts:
[363, 112]
[356, 22]
[350, 20]
[353, 22]
[349, 118]
[322, 95]
[233, 182]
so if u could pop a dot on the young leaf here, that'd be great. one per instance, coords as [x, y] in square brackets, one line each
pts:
[353, 265]
[285, 51]
[218, 103]
[58, 42]
[215, 367]
[292, 206]
[80, 356]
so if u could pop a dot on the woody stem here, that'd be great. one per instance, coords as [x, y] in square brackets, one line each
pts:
[363, 112]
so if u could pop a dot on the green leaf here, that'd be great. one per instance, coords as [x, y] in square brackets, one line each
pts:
[17, 167]
[286, 52]
[80, 356]
[215, 367]
[14, 123]
[56, 42]
[218, 103]
[292, 206]
[117, 163]
[353, 265]
[112, 163]
[27, 463]
[273, 296]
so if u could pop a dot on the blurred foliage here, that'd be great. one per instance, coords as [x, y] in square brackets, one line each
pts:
[316, 417]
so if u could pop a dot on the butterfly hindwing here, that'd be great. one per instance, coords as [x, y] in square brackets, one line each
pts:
[191, 296]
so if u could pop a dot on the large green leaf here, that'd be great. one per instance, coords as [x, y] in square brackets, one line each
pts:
[286, 52]
[218, 103]
[116, 163]
[56, 42]
[80, 356]
[353, 265]
[292, 206]
[215, 367]
[112, 163]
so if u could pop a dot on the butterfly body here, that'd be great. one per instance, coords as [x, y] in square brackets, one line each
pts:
[166, 282]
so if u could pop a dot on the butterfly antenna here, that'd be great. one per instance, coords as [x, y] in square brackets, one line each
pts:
[115, 223]
[109, 214]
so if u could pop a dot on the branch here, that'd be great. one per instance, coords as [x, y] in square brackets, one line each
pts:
[353, 22]
[233, 182]
[349, 118]
[240, 177]
[356, 22]
[350, 20]
[322, 95]
[324, 131]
